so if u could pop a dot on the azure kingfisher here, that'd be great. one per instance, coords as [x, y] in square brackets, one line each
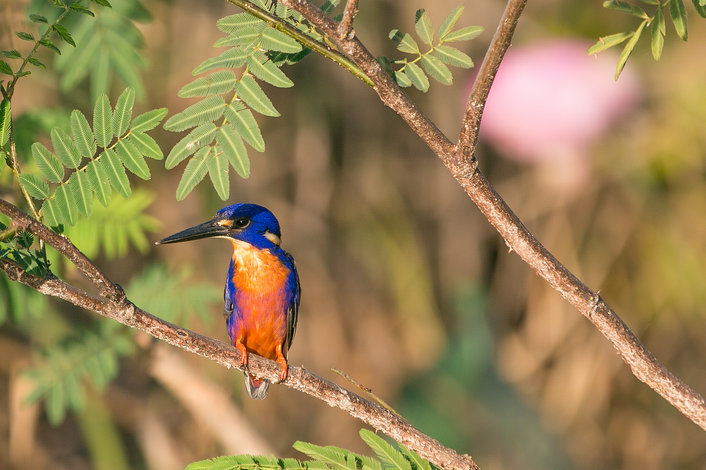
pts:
[262, 286]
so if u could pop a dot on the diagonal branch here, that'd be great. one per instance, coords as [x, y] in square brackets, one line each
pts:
[466, 146]
[63, 245]
[516, 236]
[298, 378]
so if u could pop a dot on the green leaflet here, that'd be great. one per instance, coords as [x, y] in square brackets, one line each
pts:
[233, 148]
[417, 77]
[35, 186]
[330, 455]
[65, 205]
[231, 58]
[628, 48]
[206, 110]
[408, 45]
[81, 190]
[194, 172]
[247, 127]
[218, 172]
[250, 92]
[65, 148]
[264, 69]
[625, 7]
[103, 121]
[238, 23]
[148, 120]
[658, 30]
[415, 459]
[449, 22]
[402, 79]
[423, 27]
[436, 69]
[82, 134]
[385, 451]
[100, 180]
[5, 121]
[678, 16]
[196, 139]
[132, 159]
[452, 56]
[217, 83]
[607, 42]
[113, 168]
[146, 145]
[464, 34]
[47, 163]
[123, 111]
[274, 40]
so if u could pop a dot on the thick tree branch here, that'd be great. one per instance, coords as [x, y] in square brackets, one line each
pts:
[466, 146]
[516, 236]
[298, 378]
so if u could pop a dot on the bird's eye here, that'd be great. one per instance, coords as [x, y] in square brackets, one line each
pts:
[241, 222]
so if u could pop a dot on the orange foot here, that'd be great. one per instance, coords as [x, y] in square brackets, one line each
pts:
[282, 361]
[243, 352]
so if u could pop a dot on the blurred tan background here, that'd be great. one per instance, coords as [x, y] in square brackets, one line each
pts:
[405, 287]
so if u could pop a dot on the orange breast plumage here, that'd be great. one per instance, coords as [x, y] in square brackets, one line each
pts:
[260, 299]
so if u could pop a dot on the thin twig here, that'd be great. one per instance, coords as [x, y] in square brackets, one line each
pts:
[298, 378]
[641, 361]
[466, 146]
[307, 41]
[345, 27]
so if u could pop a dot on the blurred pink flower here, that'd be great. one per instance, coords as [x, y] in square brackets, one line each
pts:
[551, 100]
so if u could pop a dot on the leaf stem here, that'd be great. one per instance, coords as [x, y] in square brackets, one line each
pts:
[17, 75]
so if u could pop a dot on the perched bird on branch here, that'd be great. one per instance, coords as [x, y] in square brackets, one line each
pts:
[262, 286]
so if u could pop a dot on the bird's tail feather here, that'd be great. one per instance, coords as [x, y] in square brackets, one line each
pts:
[256, 388]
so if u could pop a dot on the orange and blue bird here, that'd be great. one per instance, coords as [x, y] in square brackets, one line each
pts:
[262, 285]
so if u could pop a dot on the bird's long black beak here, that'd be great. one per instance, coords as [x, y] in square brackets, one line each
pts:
[207, 229]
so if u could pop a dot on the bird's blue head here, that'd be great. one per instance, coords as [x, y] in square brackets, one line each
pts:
[249, 223]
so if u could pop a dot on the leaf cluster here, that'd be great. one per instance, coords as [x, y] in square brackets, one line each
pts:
[95, 157]
[222, 121]
[435, 61]
[387, 456]
[655, 22]
[91, 356]
[49, 30]
[175, 297]
[108, 46]
[18, 301]
[17, 247]
[60, 373]
[112, 229]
